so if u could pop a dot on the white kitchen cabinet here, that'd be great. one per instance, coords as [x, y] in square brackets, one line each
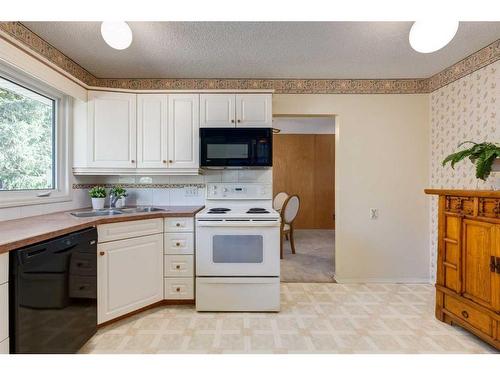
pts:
[179, 224]
[179, 265]
[236, 110]
[152, 131]
[254, 110]
[112, 133]
[183, 131]
[4, 311]
[130, 275]
[4, 268]
[179, 243]
[129, 229]
[4, 347]
[217, 110]
[178, 288]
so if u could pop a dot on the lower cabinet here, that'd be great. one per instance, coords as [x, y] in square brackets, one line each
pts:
[130, 275]
[4, 303]
[4, 347]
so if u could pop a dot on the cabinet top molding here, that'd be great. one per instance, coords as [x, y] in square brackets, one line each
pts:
[465, 193]
[201, 91]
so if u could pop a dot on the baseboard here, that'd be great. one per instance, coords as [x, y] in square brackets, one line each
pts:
[380, 280]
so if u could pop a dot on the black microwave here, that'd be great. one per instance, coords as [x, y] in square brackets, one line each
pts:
[236, 147]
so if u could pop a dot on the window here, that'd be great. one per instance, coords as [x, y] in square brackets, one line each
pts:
[33, 141]
[27, 138]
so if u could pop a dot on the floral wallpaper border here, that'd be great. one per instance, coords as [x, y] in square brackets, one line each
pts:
[475, 61]
[138, 186]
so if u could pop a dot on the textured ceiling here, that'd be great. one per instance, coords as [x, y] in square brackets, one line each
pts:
[262, 49]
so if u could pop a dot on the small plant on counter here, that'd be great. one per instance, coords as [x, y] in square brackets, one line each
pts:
[118, 192]
[97, 192]
[482, 155]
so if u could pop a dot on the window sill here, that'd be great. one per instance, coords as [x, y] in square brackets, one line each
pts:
[27, 199]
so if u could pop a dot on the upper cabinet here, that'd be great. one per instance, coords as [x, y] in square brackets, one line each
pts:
[183, 131]
[152, 131]
[235, 110]
[111, 130]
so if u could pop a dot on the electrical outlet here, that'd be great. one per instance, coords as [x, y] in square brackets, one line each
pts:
[373, 213]
[190, 191]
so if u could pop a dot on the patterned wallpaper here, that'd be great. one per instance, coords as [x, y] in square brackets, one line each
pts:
[467, 109]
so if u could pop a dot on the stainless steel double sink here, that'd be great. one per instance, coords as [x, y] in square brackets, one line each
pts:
[115, 211]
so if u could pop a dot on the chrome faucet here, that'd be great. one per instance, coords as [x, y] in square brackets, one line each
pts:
[112, 200]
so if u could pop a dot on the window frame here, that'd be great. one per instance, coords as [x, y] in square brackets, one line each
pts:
[61, 139]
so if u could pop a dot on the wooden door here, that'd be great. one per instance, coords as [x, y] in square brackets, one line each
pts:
[479, 244]
[183, 130]
[254, 110]
[304, 164]
[217, 111]
[129, 275]
[112, 130]
[152, 138]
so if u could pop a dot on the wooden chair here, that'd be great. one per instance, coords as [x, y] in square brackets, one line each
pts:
[279, 200]
[288, 214]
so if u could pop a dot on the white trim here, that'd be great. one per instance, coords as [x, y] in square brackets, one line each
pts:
[137, 171]
[378, 280]
[63, 191]
[164, 91]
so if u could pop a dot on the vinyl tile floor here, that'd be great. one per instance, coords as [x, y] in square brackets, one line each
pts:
[313, 260]
[314, 318]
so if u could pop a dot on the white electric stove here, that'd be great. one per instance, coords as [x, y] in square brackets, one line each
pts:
[237, 249]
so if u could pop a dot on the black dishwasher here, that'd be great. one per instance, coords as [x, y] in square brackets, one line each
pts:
[53, 294]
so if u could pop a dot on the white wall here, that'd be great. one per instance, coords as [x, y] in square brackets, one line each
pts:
[382, 158]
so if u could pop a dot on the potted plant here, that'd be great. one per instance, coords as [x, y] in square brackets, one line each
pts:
[485, 156]
[97, 194]
[118, 194]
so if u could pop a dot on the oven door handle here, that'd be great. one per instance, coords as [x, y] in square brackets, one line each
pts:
[242, 224]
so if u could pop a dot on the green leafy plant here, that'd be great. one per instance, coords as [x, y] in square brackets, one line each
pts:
[97, 192]
[482, 155]
[118, 192]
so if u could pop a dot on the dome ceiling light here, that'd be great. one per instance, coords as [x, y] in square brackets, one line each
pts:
[430, 36]
[116, 34]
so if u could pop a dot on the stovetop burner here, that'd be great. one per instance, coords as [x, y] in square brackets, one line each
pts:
[218, 210]
[257, 210]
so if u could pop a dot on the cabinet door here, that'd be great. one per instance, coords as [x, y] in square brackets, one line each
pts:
[130, 275]
[480, 283]
[254, 110]
[152, 131]
[217, 110]
[183, 130]
[112, 130]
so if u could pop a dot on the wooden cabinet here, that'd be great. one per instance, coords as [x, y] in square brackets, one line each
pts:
[152, 131]
[111, 130]
[183, 131]
[236, 110]
[130, 270]
[468, 268]
[4, 303]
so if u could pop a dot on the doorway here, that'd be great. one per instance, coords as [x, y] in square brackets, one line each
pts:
[304, 165]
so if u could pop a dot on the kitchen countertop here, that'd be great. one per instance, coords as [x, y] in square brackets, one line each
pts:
[18, 233]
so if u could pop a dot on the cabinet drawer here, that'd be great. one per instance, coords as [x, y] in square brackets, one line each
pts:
[128, 229]
[179, 224]
[179, 265]
[4, 268]
[469, 314]
[4, 347]
[4, 311]
[179, 288]
[179, 243]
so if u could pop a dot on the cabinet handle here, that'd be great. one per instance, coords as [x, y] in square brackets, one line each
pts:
[178, 267]
[132, 161]
[239, 120]
[465, 314]
[170, 161]
[101, 253]
[232, 121]
[177, 244]
[492, 263]
[178, 224]
[177, 289]
[164, 162]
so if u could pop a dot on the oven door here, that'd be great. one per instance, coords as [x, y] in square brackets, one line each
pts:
[237, 248]
[238, 147]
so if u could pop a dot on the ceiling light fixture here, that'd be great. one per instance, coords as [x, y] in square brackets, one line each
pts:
[430, 36]
[116, 34]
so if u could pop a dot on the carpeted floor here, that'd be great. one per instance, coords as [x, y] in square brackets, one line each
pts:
[314, 258]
